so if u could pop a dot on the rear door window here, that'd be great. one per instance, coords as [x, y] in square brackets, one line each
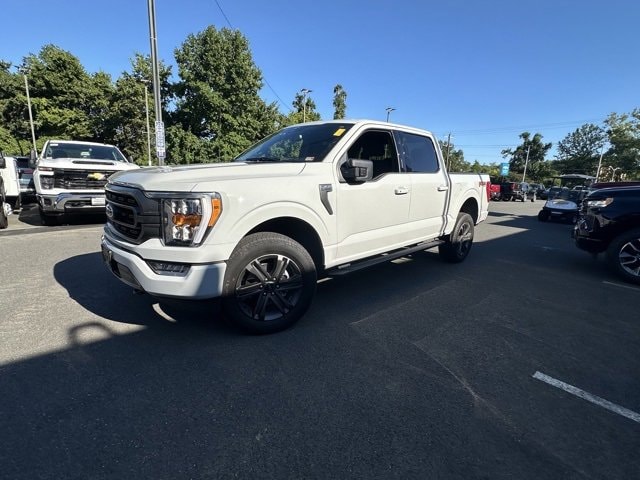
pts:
[417, 153]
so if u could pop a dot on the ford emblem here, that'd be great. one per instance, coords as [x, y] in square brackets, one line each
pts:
[109, 211]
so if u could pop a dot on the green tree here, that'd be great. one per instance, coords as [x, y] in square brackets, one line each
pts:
[580, 150]
[304, 110]
[453, 158]
[216, 98]
[535, 163]
[68, 102]
[339, 102]
[623, 134]
[125, 119]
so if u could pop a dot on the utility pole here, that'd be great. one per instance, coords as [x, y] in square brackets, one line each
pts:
[446, 159]
[304, 92]
[389, 110]
[599, 163]
[160, 145]
[525, 163]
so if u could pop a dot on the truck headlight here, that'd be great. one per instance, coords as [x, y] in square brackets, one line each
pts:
[186, 220]
[599, 203]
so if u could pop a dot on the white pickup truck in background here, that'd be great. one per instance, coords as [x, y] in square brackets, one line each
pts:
[321, 198]
[70, 177]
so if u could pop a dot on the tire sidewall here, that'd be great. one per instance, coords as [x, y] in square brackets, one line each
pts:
[613, 252]
[450, 251]
[255, 246]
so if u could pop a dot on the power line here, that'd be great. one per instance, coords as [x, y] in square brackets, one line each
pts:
[263, 77]
[496, 130]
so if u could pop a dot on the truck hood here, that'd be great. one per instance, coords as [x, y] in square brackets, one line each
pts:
[189, 177]
[85, 164]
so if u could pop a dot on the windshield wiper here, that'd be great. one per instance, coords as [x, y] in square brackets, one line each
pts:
[260, 159]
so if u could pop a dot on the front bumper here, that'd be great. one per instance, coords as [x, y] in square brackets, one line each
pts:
[199, 282]
[72, 202]
[585, 238]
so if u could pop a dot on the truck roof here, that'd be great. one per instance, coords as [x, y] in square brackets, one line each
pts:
[360, 122]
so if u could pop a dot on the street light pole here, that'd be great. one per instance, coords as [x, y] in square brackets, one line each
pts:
[304, 92]
[33, 132]
[599, 163]
[526, 163]
[160, 145]
[146, 110]
[389, 110]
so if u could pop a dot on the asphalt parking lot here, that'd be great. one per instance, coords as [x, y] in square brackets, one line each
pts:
[522, 362]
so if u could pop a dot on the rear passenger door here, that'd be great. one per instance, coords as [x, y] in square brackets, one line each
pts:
[429, 184]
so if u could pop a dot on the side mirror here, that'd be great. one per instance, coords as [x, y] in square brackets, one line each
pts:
[355, 170]
[3, 162]
[33, 159]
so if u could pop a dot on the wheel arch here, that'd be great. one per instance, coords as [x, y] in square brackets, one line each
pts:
[298, 230]
[470, 206]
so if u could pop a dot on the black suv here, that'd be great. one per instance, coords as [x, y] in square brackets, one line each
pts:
[609, 221]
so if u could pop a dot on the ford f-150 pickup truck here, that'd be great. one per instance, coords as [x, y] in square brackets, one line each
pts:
[319, 198]
[70, 176]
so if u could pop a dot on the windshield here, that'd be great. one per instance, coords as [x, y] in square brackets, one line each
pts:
[300, 143]
[571, 195]
[85, 151]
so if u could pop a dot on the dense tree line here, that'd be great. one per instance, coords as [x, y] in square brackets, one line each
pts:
[212, 112]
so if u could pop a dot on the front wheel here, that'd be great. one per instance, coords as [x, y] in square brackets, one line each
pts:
[543, 215]
[623, 255]
[269, 284]
[459, 242]
[533, 199]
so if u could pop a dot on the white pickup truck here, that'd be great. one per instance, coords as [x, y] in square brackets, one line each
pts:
[70, 177]
[321, 198]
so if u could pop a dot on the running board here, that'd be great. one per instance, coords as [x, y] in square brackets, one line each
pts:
[385, 257]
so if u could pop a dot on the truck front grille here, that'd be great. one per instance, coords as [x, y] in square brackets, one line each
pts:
[80, 179]
[132, 215]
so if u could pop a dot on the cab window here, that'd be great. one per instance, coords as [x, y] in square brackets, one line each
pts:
[379, 147]
[417, 153]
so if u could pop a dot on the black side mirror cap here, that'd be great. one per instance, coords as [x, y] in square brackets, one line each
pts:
[33, 159]
[3, 162]
[356, 170]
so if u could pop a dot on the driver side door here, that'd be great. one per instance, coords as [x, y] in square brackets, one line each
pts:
[372, 215]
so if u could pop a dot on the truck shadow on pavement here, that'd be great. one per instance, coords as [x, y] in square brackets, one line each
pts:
[186, 396]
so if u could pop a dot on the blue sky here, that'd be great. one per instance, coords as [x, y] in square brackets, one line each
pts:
[482, 70]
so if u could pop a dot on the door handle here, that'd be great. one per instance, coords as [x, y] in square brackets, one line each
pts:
[401, 190]
[443, 188]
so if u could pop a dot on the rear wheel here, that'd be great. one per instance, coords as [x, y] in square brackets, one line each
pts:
[623, 255]
[269, 284]
[533, 199]
[460, 241]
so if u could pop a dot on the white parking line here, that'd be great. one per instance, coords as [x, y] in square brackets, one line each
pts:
[589, 397]
[628, 287]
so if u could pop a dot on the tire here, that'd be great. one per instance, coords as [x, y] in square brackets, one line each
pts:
[543, 215]
[49, 220]
[623, 255]
[4, 220]
[269, 283]
[533, 199]
[460, 241]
